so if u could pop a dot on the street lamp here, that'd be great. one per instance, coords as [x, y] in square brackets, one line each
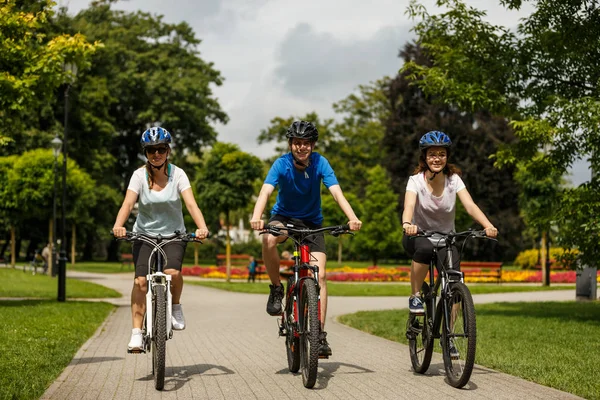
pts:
[56, 144]
[71, 70]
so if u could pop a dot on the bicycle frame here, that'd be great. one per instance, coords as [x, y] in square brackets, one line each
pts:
[301, 273]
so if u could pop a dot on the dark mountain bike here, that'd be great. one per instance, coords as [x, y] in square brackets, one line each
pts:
[157, 327]
[452, 320]
[301, 323]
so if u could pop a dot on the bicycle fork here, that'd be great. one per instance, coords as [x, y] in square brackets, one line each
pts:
[158, 279]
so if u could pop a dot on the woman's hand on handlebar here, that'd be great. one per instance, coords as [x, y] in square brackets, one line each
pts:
[355, 225]
[491, 231]
[119, 231]
[201, 234]
[411, 230]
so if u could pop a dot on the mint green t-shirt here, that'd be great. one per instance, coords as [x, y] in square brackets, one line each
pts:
[159, 212]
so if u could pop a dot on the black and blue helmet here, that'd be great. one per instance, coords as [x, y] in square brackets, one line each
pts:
[434, 138]
[155, 135]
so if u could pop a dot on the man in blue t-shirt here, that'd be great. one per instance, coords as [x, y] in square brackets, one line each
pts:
[298, 176]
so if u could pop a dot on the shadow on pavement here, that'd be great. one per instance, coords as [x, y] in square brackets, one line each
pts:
[91, 360]
[176, 377]
[330, 369]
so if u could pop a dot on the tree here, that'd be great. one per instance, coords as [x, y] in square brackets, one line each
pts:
[381, 233]
[544, 78]
[333, 215]
[148, 72]
[475, 137]
[538, 199]
[32, 63]
[225, 183]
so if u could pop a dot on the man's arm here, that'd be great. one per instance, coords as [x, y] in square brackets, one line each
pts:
[257, 222]
[338, 196]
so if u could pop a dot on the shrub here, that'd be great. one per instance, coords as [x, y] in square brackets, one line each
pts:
[559, 258]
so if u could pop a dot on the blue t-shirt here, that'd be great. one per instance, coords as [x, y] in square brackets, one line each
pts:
[299, 193]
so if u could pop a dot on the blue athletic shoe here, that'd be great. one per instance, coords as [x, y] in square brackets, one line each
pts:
[415, 305]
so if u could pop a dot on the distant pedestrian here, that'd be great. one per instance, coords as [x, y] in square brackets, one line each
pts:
[46, 256]
[252, 269]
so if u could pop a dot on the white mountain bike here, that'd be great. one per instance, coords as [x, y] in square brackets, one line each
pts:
[157, 327]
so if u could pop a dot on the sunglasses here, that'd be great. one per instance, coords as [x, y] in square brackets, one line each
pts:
[160, 150]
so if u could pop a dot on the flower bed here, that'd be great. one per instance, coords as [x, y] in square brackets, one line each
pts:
[391, 274]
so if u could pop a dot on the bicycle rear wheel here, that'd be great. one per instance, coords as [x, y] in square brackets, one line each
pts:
[460, 340]
[159, 340]
[419, 335]
[292, 341]
[309, 332]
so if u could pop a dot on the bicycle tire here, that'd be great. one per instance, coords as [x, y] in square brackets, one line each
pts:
[419, 334]
[463, 333]
[310, 329]
[292, 341]
[159, 340]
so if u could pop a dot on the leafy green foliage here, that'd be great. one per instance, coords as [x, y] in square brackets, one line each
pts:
[381, 233]
[32, 62]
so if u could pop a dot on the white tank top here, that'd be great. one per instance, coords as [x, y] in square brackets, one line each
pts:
[159, 212]
[434, 213]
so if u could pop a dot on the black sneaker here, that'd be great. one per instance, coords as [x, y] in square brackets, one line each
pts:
[324, 349]
[274, 302]
[415, 305]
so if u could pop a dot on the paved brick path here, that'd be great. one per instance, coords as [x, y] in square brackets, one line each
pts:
[230, 350]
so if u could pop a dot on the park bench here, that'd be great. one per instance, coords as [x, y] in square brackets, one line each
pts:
[485, 269]
[126, 259]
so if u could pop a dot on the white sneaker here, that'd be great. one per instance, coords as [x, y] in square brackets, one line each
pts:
[137, 341]
[177, 318]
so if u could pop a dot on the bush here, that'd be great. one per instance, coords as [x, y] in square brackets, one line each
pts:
[559, 258]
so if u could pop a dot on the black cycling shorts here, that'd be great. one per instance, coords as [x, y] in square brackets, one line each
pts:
[316, 243]
[420, 249]
[141, 252]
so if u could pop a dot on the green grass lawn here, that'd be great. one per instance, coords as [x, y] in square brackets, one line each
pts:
[39, 338]
[554, 344]
[369, 289]
[17, 283]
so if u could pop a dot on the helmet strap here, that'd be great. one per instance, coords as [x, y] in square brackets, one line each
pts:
[159, 167]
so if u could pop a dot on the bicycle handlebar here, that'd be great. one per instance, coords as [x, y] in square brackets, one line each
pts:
[335, 230]
[133, 236]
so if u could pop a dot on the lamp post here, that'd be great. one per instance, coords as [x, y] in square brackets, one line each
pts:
[56, 144]
[71, 70]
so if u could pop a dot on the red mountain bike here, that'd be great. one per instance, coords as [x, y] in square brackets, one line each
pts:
[300, 323]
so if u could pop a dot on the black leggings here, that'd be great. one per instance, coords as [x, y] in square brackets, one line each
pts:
[141, 252]
[420, 249]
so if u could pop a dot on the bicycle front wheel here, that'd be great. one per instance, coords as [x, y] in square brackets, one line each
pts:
[459, 336]
[159, 339]
[292, 341]
[309, 332]
[419, 335]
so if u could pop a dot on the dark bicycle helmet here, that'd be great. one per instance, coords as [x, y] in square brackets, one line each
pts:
[302, 130]
[155, 135]
[434, 138]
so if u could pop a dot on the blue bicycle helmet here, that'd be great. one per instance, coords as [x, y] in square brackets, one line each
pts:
[434, 138]
[155, 135]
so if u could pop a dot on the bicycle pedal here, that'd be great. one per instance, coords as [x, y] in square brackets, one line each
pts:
[323, 357]
[136, 351]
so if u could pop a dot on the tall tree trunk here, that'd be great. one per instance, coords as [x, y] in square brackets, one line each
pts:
[339, 252]
[51, 242]
[543, 260]
[196, 254]
[227, 248]
[13, 246]
[73, 242]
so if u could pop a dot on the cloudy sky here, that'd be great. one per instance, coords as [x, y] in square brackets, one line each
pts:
[289, 57]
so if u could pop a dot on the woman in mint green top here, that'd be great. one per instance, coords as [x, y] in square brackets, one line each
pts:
[158, 188]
